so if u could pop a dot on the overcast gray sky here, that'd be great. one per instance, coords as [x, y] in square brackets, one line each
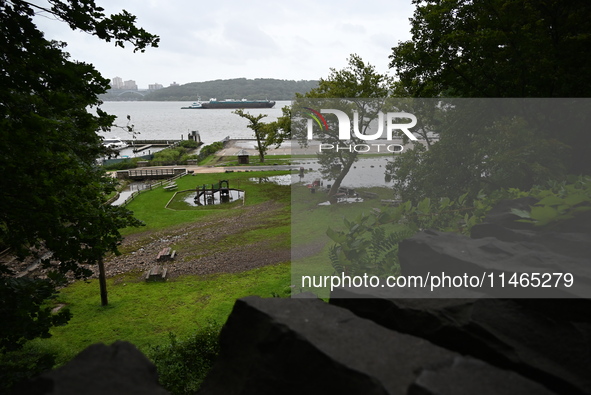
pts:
[221, 39]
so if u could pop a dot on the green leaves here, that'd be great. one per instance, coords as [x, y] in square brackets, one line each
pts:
[484, 49]
[369, 243]
[86, 16]
[24, 315]
[365, 246]
[267, 134]
[183, 364]
[560, 202]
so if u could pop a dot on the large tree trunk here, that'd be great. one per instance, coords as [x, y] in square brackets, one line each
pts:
[337, 182]
[261, 150]
[103, 282]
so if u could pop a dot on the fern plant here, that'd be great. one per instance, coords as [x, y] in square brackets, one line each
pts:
[366, 247]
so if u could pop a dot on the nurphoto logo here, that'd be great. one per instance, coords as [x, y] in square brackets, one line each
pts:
[391, 123]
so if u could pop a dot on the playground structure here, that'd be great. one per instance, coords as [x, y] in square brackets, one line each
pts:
[208, 193]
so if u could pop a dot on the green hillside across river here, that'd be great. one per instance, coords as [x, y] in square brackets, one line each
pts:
[237, 88]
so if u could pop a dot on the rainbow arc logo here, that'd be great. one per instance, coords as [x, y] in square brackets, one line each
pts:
[320, 120]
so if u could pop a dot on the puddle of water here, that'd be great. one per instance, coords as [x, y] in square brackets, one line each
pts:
[128, 190]
[234, 195]
[286, 179]
[343, 200]
[364, 173]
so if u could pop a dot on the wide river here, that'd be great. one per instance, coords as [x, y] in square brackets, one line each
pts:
[166, 120]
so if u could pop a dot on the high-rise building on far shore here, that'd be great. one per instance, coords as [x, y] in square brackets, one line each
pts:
[117, 83]
[155, 86]
[130, 84]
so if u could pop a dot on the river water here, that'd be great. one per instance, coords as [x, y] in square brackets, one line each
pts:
[166, 120]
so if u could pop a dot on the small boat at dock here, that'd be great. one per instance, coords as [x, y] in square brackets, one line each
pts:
[114, 143]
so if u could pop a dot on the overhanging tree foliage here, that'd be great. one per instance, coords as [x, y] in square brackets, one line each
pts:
[52, 194]
[498, 49]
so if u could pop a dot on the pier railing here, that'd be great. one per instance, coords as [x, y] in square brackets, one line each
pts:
[136, 174]
[154, 185]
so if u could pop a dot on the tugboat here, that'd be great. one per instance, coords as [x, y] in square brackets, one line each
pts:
[193, 106]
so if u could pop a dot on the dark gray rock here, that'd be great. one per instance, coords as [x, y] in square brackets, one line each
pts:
[304, 295]
[305, 346]
[444, 381]
[433, 252]
[118, 369]
[502, 332]
[577, 245]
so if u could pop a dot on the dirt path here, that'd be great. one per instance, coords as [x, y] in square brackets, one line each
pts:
[204, 247]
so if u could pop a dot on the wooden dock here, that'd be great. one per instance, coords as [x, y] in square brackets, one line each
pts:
[150, 174]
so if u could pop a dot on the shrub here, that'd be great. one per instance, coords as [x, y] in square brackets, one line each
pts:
[122, 165]
[210, 150]
[21, 365]
[190, 144]
[183, 364]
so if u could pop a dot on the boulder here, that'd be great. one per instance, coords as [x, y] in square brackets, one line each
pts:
[502, 332]
[306, 346]
[576, 245]
[495, 262]
[118, 369]
[444, 380]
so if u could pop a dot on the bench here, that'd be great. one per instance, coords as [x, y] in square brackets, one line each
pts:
[170, 187]
[166, 254]
[156, 273]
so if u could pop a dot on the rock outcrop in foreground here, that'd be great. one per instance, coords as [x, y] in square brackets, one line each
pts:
[305, 346]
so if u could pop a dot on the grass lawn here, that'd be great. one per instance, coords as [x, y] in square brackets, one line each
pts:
[254, 160]
[144, 313]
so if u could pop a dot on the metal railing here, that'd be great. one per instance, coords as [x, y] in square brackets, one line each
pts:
[153, 185]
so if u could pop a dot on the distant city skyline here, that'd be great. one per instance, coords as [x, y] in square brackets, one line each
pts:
[118, 83]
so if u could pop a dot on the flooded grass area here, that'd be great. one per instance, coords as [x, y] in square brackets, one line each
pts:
[191, 198]
[187, 200]
[126, 192]
[285, 179]
[365, 173]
